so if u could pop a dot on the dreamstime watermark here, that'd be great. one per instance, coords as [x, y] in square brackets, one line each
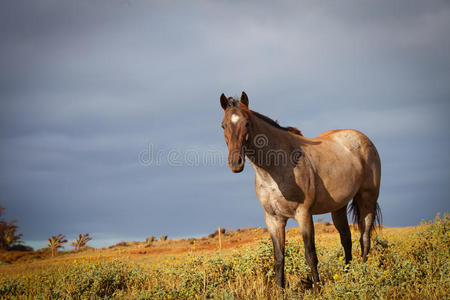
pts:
[152, 156]
[258, 151]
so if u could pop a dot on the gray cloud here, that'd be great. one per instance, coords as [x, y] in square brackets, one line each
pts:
[85, 86]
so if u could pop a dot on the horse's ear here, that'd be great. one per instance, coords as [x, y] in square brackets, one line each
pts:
[244, 99]
[223, 101]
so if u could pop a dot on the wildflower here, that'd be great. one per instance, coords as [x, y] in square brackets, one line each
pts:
[341, 258]
[336, 277]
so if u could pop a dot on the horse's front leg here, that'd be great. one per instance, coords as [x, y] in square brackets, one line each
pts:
[305, 220]
[276, 226]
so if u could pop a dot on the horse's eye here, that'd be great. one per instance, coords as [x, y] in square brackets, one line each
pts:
[247, 124]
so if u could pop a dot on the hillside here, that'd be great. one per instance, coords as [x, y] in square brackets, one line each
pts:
[409, 262]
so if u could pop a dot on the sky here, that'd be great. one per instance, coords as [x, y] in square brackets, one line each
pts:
[110, 115]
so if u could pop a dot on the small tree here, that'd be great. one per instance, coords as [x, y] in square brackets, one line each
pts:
[8, 233]
[56, 242]
[81, 241]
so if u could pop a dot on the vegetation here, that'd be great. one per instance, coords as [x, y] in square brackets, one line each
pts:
[407, 263]
[81, 241]
[56, 242]
[150, 239]
[9, 238]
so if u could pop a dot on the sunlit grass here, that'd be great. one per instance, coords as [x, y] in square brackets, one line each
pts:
[410, 263]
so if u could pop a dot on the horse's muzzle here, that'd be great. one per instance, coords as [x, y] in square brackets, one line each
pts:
[236, 163]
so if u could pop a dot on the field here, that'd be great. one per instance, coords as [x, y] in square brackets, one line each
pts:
[405, 263]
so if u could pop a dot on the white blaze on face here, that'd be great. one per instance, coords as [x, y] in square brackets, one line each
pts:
[234, 118]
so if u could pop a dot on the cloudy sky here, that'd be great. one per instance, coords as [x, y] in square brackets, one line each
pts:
[91, 92]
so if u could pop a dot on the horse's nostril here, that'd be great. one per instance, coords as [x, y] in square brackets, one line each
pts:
[240, 160]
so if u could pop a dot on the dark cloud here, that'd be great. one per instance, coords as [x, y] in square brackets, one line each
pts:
[87, 86]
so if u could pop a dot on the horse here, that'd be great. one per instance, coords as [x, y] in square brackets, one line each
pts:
[298, 177]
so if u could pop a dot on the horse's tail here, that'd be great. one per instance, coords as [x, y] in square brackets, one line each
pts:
[353, 209]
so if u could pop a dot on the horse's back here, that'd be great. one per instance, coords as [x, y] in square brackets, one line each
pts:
[352, 139]
[361, 146]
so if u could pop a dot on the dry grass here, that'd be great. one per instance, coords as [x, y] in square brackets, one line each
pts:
[405, 263]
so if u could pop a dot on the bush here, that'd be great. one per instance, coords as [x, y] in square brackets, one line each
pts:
[87, 280]
[8, 233]
[150, 240]
[215, 233]
[21, 247]
[120, 244]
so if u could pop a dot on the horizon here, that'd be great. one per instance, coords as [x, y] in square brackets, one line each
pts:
[105, 242]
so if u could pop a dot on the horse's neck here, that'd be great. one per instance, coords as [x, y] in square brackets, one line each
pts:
[268, 143]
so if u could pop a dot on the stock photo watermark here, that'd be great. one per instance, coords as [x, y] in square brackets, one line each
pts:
[152, 156]
[256, 150]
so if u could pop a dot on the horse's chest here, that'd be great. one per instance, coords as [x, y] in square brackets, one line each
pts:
[274, 200]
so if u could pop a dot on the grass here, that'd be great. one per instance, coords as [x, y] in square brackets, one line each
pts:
[405, 263]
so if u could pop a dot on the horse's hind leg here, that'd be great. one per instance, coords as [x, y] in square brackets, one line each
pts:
[367, 205]
[341, 223]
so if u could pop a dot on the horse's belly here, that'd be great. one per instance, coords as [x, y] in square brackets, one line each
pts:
[323, 206]
[334, 193]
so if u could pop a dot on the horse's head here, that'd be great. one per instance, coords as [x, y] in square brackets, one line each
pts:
[236, 125]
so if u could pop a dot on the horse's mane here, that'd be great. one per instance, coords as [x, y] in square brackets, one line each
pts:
[275, 123]
[236, 103]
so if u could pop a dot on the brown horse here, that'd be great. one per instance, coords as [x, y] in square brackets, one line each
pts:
[298, 177]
